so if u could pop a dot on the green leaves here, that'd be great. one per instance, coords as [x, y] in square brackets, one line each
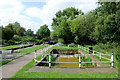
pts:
[29, 32]
[61, 24]
[44, 31]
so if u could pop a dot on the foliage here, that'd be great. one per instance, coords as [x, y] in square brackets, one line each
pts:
[16, 38]
[60, 40]
[83, 59]
[99, 25]
[29, 32]
[73, 45]
[28, 39]
[61, 24]
[52, 58]
[44, 31]
[7, 34]
[20, 31]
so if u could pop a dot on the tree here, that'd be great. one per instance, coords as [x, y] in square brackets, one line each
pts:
[29, 32]
[61, 24]
[21, 31]
[7, 33]
[44, 31]
[16, 38]
[28, 39]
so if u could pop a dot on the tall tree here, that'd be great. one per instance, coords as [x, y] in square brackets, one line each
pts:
[29, 32]
[7, 33]
[43, 31]
[20, 31]
[61, 24]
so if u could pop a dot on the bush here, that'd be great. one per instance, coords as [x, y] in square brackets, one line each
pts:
[43, 39]
[73, 45]
[11, 42]
[16, 38]
[28, 39]
[60, 40]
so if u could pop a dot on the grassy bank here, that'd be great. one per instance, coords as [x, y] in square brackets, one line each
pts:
[31, 49]
[13, 46]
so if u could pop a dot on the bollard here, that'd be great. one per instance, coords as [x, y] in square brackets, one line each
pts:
[49, 60]
[78, 46]
[80, 60]
[112, 62]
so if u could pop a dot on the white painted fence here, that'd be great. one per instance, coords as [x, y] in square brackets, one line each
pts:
[99, 54]
[42, 51]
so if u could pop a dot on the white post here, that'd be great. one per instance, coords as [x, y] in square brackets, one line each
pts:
[80, 60]
[88, 50]
[42, 54]
[49, 60]
[100, 56]
[93, 53]
[78, 46]
[68, 46]
[35, 57]
[112, 63]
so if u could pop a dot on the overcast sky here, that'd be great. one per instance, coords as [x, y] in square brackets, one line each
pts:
[32, 14]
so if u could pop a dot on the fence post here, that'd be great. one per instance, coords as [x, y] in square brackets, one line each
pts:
[35, 57]
[100, 56]
[42, 54]
[68, 46]
[93, 53]
[80, 60]
[49, 60]
[112, 62]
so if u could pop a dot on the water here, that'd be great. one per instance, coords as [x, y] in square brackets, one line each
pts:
[67, 58]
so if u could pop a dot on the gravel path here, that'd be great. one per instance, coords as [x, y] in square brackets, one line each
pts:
[73, 70]
[12, 67]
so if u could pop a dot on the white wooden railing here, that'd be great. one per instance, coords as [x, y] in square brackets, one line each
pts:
[99, 54]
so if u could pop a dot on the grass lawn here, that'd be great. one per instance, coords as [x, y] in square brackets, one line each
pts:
[22, 74]
[30, 49]
[4, 62]
[9, 47]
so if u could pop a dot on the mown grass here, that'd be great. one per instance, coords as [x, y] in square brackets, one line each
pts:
[9, 47]
[31, 49]
[22, 74]
[4, 62]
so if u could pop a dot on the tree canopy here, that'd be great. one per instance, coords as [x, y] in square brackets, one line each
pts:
[99, 25]
[29, 32]
[43, 31]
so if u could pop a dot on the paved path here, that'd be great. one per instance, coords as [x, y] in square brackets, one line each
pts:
[12, 67]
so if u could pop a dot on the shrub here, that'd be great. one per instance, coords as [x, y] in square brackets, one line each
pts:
[60, 40]
[72, 45]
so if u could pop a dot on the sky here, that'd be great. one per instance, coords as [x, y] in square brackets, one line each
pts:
[31, 14]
